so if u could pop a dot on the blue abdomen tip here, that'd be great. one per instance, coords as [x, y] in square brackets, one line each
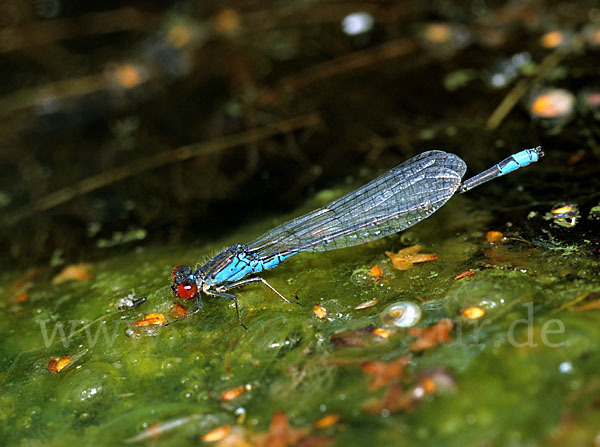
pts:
[527, 156]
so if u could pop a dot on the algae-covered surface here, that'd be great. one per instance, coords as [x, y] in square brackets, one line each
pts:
[136, 137]
[525, 373]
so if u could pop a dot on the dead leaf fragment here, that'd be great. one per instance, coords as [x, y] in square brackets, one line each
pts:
[375, 271]
[327, 421]
[473, 312]
[216, 434]
[383, 333]
[465, 274]
[393, 401]
[153, 318]
[236, 437]
[320, 311]
[587, 306]
[57, 364]
[74, 272]
[233, 393]
[383, 373]
[280, 433]
[405, 258]
[431, 336]
[366, 304]
[494, 236]
[355, 338]
[178, 310]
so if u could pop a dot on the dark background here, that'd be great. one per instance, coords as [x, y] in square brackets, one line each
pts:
[178, 121]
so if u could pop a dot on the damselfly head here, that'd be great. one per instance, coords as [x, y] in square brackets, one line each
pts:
[184, 284]
[181, 273]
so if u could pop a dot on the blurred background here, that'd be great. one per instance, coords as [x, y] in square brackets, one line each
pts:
[164, 121]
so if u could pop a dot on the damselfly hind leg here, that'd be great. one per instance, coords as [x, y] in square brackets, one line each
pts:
[231, 297]
[254, 279]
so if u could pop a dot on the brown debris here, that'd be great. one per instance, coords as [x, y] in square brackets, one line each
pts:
[327, 421]
[149, 319]
[405, 258]
[233, 393]
[465, 274]
[73, 272]
[494, 236]
[280, 433]
[356, 338]
[217, 434]
[431, 336]
[57, 364]
[366, 304]
[320, 311]
[383, 373]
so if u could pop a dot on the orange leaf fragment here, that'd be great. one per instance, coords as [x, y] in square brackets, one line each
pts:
[383, 373]
[235, 438]
[52, 364]
[21, 297]
[438, 32]
[233, 393]
[383, 333]
[74, 272]
[375, 271]
[280, 433]
[429, 385]
[216, 434]
[562, 209]
[405, 258]
[587, 306]
[552, 39]
[320, 311]
[56, 364]
[465, 274]
[154, 318]
[227, 21]
[494, 236]
[178, 310]
[25, 280]
[576, 157]
[431, 336]
[473, 312]
[394, 400]
[128, 76]
[397, 399]
[327, 421]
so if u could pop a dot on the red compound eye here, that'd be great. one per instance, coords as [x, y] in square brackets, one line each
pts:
[176, 270]
[187, 290]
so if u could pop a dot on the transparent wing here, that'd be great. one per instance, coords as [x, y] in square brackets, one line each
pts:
[396, 200]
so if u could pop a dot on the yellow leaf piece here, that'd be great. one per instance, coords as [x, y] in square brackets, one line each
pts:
[405, 258]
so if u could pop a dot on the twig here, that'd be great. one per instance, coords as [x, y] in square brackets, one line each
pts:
[46, 32]
[218, 144]
[517, 92]
[59, 90]
[350, 62]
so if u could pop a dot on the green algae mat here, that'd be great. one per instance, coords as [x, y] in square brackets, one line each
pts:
[502, 350]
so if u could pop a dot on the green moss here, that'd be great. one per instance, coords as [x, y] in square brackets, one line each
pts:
[514, 382]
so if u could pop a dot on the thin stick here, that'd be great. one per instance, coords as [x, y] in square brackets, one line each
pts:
[47, 32]
[517, 92]
[350, 62]
[161, 159]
